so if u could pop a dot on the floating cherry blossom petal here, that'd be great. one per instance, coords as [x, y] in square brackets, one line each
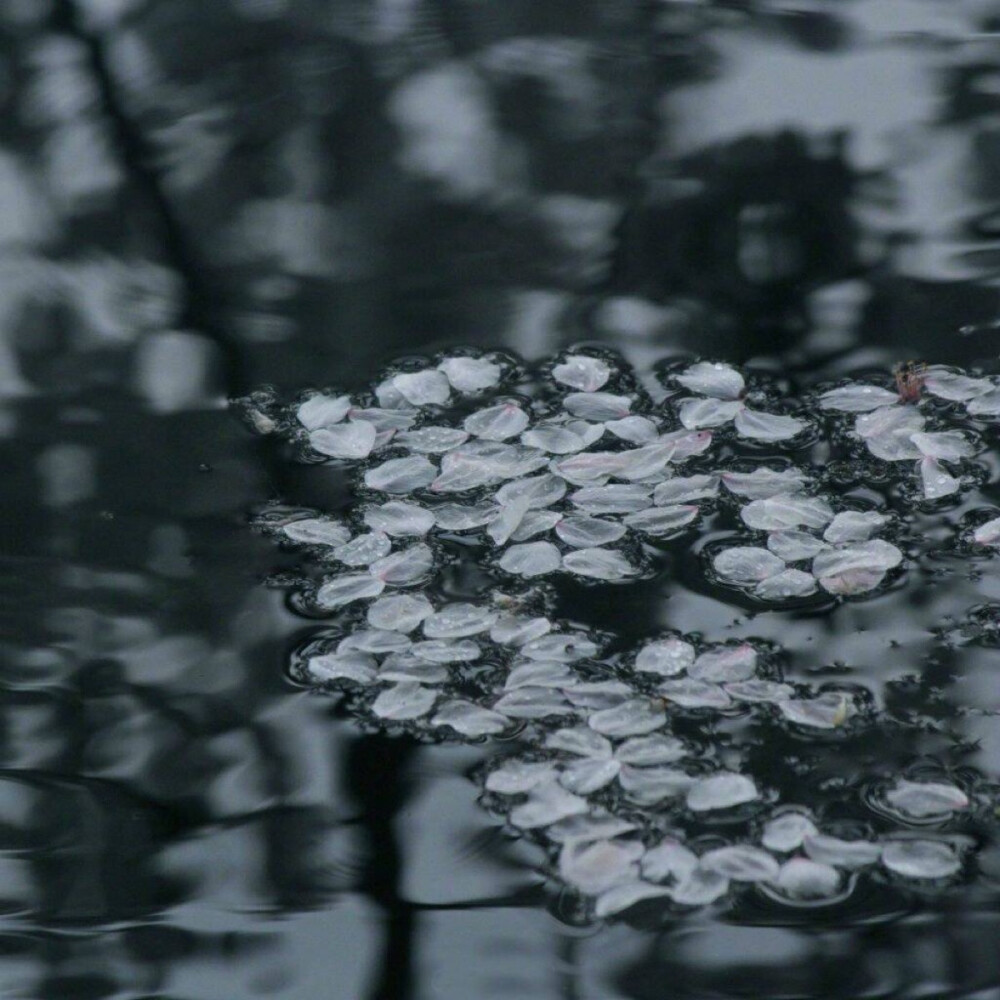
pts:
[514, 630]
[588, 828]
[554, 439]
[795, 545]
[462, 517]
[317, 531]
[432, 440]
[767, 426]
[668, 859]
[807, 881]
[581, 372]
[536, 491]
[547, 804]
[539, 674]
[348, 666]
[785, 512]
[597, 405]
[632, 718]
[857, 398]
[399, 519]
[590, 467]
[401, 475]
[666, 657]
[852, 582]
[407, 700]
[637, 430]
[721, 791]
[746, 564]
[650, 751]
[827, 711]
[503, 526]
[785, 585]
[875, 555]
[759, 691]
[584, 777]
[647, 786]
[354, 440]
[588, 532]
[988, 533]
[470, 719]
[920, 859]
[937, 482]
[458, 620]
[614, 499]
[531, 559]
[374, 640]
[621, 897]
[787, 831]
[689, 693]
[406, 566]
[596, 867]
[763, 483]
[402, 612]
[685, 490]
[471, 374]
[924, 799]
[425, 388]
[596, 696]
[987, 405]
[323, 411]
[563, 647]
[952, 446]
[535, 522]
[846, 854]
[497, 423]
[598, 564]
[514, 776]
[712, 379]
[340, 590]
[532, 703]
[447, 651]
[405, 667]
[363, 550]
[853, 526]
[660, 521]
[954, 386]
[581, 741]
[695, 414]
[699, 888]
[740, 863]
[726, 663]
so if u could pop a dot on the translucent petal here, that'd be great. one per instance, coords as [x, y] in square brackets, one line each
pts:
[401, 475]
[721, 791]
[554, 439]
[598, 695]
[432, 440]
[514, 630]
[587, 829]
[922, 799]
[920, 859]
[669, 859]
[786, 511]
[826, 711]
[764, 482]
[598, 564]
[403, 567]
[581, 372]
[590, 467]
[538, 491]
[875, 555]
[402, 612]
[374, 640]
[712, 379]
[535, 522]
[988, 533]
[854, 526]
[469, 719]
[851, 582]
[725, 663]
[666, 657]
[581, 741]
[795, 545]
[699, 888]
[631, 718]
[597, 405]
[531, 559]
[340, 590]
[458, 620]
[516, 776]
[695, 414]
[533, 703]
[740, 863]
[787, 584]
[848, 854]
[471, 374]
[951, 385]
[952, 446]
[462, 517]
[401, 520]
[804, 880]
[405, 667]
[685, 489]
[354, 440]
[614, 499]
[746, 564]
[565, 647]
[857, 398]
[447, 650]
[584, 777]
[497, 423]
[650, 751]
[547, 804]
[661, 520]
[424, 388]
[687, 443]
[384, 420]
[637, 430]
[539, 674]
[688, 693]
[767, 426]
[350, 666]
[322, 411]
[595, 868]
[317, 531]
[753, 691]
[937, 482]
[507, 521]
[648, 786]
[363, 550]
[987, 405]
[407, 700]
[787, 831]
[588, 532]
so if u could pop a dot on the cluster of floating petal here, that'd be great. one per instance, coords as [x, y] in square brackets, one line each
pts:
[581, 474]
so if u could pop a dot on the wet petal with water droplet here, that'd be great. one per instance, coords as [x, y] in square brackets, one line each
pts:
[424, 388]
[401, 475]
[515, 776]
[596, 867]
[317, 531]
[598, 564]
[854, 526]
[695, 414]
[794, 545]
[547, 804]
[399, 519]
[767, 426]
[352, 440]
[533, 703]
[763, 483]
[582, 372]
[588, 532]
[469, 719]
[322, 411]
[531, 559]
[580, 740]
[649, 751]
[988, 533]
[712, 379]
[584, 777]
[661, 521]
[685, 490]
[463, 517]
[614, 499]
[432, 440]
[406, 566]
[340, 590]
[746, 564]
[754, 691]
[787, 511]
[407, 700]
[597, 405]
[954, 386]
[447, 650]
[857, 398]
[497, 423]
[363, 550]
[667, 657]
[785, 585]
[688, 693]
[402, 612]
[725, 663]
[937, 482]
[514, 630]
[875, 555]
[721, 791]
[631, 718]
[471, 374]
[350, 666]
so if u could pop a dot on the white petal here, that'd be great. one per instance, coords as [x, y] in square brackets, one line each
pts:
[322, 411]
[564, 647]
[532, 703]
[595, 696]
[782, 512]
[753, 691]
[853, 526]
[787, 831]
[595, 868]
[621, 897]
[531, 559]
[666, 657]
[875, 555]
[712, 379]
[447, 650]
[350, 666]
[507, 521]
[581, 372]
[516, 776]
[471, 374]
[952, 446]
[785, 585]
[513, 630]
[547, 804]
[987, 405]
[741, 863]
[849, 854]
[650, 751]
[685, 489]
[374, 640]
[402, 612]
[746, 564]
[767, 426]
[794, 545]
[538, 491]
[401, 475]
[631, 718]
[804, 880]
[469, 719]
[355, 439]
[405, 668]
[920, 858]
[721, 791]
[406, 566]
[423, 388]
[922, 799]
[614, 499]
[534, 674]
[937, 482]
[497, 423]
[589, 467]
[826, 711]
[587, 829]
[461, 517]
[584, 777]
[598, 564]
[648, 786]
[317, 531]
[407, 700]
[637, 430]
[726, 663]
[669, 859]
[384, 420]
[857, 398]
[341, 590]
[401, 520]
[582, 741]
[852, 582]
[951, 385]
[599, 406]
[455, 621]
[660, 521]
[699, 888]
[764, 482]
[554, 439]
[697, 413]
[988, 533]
[688, 693]
[687, 443]
[432, 440]
[536, 522]
[363, 550]
[588, 532]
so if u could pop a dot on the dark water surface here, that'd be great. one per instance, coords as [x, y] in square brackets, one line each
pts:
[197, 198]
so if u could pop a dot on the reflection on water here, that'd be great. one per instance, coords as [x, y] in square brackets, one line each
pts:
[197, 198]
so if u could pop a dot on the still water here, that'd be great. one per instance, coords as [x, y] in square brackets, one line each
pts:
[311, 190]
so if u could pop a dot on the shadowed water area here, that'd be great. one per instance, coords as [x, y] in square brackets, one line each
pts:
[234, 762]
